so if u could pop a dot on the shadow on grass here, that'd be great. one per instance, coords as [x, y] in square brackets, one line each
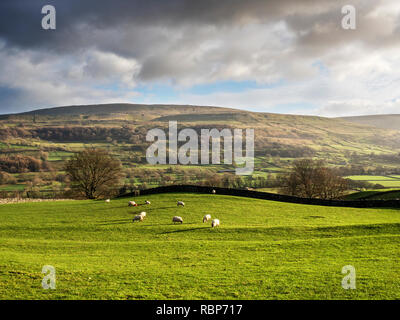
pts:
[132, 209]
[110, 223]
[153, 209]
[184, 230]
[125, 221]
[314, 217]
[166, 224]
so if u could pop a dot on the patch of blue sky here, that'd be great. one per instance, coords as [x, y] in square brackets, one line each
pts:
[166, 93]
[229, 86]
[322, 68]
[156, 93]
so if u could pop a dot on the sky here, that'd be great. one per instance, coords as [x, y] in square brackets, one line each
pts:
[283, 56]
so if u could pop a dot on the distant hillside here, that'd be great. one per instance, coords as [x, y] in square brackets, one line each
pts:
[150, 111]
[384, 121]
[210, 117]
[338, 140]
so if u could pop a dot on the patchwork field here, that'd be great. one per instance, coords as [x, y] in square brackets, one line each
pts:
[263, 250]
[392, 181]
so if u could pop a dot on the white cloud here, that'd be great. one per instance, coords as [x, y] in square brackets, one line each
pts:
[109, 67]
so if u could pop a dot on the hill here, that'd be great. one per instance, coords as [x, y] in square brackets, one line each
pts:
[323, 135]
[115, 109]
[383, 121]
[262, 250]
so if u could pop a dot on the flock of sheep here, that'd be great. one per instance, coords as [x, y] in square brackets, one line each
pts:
[140, 217]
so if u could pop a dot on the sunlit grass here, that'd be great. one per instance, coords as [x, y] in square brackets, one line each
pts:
[263, 250]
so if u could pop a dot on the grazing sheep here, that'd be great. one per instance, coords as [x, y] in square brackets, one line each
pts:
[147, 202]
[213, 192]
[177, 219]
[107, 200]
[180, 203]
[143, 214]
[138, 218]
[215, 223]
[206, 218]
[132, 204]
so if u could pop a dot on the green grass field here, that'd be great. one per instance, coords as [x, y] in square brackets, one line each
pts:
[390, 184]
[262, 250]
[13, 187]
[371, 178]
[385, 181]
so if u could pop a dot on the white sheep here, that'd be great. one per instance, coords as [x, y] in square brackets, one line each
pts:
[132, 204]
[147, 202]
[108, 200]
[213, 192]
[215, 223]
[138, 218]
[177, 219]
[143, 214]
[206, 218]
[180, 203]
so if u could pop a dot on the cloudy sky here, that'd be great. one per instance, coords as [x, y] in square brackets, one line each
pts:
[285, 56]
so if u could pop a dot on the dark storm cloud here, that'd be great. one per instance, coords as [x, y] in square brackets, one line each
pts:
[20, 20]
[136, 28]
[12, 100]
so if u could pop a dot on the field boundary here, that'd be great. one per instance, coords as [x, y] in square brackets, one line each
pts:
[380, 194]
[267, 196]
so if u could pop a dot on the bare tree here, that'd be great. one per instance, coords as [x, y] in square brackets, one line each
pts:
[93, 172]
[330, 184]
[311, 179]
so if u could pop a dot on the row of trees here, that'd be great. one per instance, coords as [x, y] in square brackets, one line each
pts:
[20, 163]
[76, 133]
